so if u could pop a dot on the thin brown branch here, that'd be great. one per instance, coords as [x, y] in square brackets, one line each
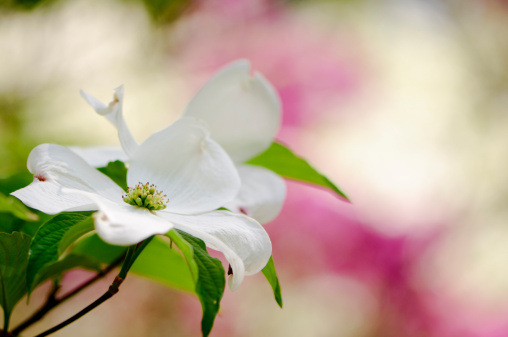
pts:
[113, 289]
[52, 301]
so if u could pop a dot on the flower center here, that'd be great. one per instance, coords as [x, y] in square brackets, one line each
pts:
[147, 196]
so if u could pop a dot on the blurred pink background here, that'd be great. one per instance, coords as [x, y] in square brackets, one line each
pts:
[401, 103]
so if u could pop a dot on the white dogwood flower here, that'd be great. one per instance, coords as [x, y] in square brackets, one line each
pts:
[177, 178]
[243, 113]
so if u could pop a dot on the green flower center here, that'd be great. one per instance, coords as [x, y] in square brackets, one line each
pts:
[147, 196]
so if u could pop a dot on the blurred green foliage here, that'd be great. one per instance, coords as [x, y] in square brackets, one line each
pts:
[166, 11]
[14, 149]
[23, 4]
[9, 204]
[161, 11]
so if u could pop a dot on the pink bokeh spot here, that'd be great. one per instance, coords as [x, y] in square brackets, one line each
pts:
[316, 75]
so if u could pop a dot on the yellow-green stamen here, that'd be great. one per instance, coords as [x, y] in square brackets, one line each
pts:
[147, 196]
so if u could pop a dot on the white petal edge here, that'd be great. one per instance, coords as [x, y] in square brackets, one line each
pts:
[262, 193]
[122, 224]
[100, 156]
[241, 239]
[194, 172]
[114, 113]
[54, 167]
[242, 110]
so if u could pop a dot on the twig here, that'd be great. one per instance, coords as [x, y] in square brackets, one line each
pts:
[113, 289]
[132, 253]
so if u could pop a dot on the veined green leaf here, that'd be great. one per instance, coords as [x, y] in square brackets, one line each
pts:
[271, 275]
[13, 262]
[284, 162]
[211, 281]
[83, 224]
[117, 171]
[9, 204]
[52, 239]
[187, 251]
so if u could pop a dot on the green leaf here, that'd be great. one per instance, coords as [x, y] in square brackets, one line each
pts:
[284, 162]
[51, 241]
[211, 280]
[13, 262]
[157, 261]
[9, 223]
[83, 224]
[165, 265]
[187, 251]
[93, 247]
[271, 275]
[9, 204]
[117, 171]
[69, 262]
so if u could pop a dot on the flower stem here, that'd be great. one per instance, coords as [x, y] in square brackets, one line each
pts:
[52, 301]
[132, 253]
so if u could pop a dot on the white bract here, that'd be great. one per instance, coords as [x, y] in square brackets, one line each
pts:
[191, 175]
[243, 114]
[100, 156]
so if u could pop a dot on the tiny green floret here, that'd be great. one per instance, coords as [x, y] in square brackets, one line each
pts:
[147, 196]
